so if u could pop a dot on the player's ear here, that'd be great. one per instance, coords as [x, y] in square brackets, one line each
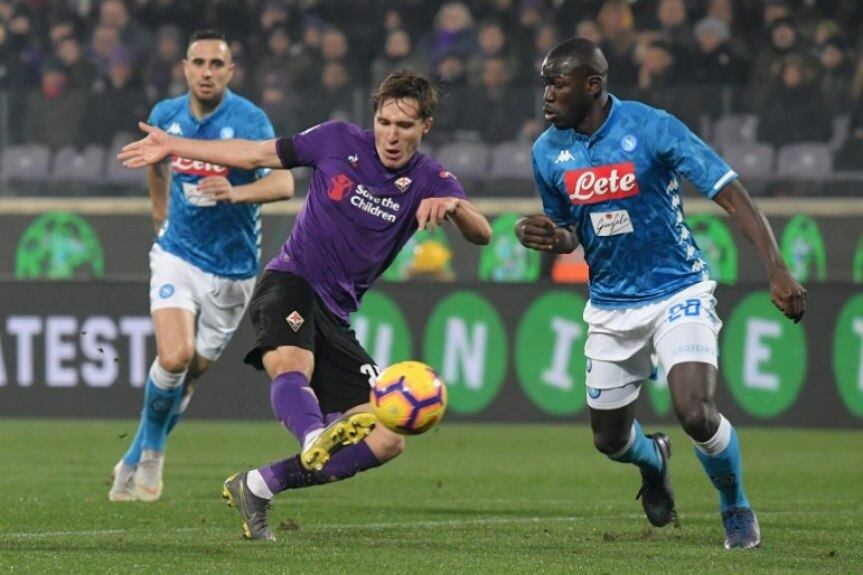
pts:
[427, 125]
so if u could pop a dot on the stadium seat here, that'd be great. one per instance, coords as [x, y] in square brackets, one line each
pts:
[805, 161]
[511, 170]
[734, 129]
[750, 160]
[467, 160]
[119, 140]
[122, 181]
[25, 167]
[72, 165]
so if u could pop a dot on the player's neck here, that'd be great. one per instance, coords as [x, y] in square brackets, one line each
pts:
[596, 116]
[201, 110]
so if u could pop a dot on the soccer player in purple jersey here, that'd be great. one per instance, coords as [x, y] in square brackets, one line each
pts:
[608, 174]
[370, 191]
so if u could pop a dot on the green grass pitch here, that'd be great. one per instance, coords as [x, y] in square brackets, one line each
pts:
[462, 499]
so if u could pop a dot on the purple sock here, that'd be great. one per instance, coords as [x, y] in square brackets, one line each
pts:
[290, 473]
[295, 405]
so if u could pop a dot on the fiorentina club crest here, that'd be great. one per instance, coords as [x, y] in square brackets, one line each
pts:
[353, 159]
[295, 320]
[403, 183]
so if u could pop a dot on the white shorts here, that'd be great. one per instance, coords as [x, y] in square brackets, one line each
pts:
[623, 345]
[218, 303]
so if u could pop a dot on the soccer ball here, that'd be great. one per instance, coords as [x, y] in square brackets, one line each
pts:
[409, 398]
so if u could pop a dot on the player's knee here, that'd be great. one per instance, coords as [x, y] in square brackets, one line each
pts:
[177, 360]
[609, 443]
[699, 420]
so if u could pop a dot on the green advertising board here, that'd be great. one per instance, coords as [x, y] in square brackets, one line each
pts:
[59, 245]
[382, 330]
[505, 259]
[803, 249]
[848, 355]
[466, 342]
[763, 357]
[549, 353]
[717, 246]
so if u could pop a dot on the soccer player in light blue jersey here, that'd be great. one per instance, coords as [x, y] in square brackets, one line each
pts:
[608, 173]
[206, 254]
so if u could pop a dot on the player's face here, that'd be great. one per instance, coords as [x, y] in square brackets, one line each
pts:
[398, 131]
[208, 69]
[568, 94]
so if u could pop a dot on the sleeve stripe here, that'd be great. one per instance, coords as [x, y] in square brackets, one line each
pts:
[729, 175]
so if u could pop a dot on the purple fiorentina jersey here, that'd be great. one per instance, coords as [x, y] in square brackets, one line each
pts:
[358, 214]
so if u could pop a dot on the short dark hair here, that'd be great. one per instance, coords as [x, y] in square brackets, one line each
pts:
[407, 84]
[207, 34]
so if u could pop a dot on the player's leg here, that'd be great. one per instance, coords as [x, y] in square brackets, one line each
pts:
[687, 346]
[618, 435]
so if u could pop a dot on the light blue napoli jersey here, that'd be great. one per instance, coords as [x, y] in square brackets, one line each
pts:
[220, 238]
[619, 191]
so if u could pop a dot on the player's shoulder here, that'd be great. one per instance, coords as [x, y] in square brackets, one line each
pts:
[242, 105]
[432, 169]
[169, 108]
[641, 113]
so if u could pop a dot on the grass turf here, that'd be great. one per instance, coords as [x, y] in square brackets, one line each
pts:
[462, 499]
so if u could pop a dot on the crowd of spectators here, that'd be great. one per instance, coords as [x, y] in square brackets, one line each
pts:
[79, 71]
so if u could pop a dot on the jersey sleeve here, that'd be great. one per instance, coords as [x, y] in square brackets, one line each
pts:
[261, 129]
[447, 186]
[553, 204]
[314, 144]
[156, 114]
[686, 154]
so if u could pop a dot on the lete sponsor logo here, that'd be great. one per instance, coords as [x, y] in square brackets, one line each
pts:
[601, 183]
[196, 168]
[611, 223]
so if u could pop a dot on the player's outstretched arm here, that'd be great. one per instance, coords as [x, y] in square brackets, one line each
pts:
[538, 232]
[275, 186]
[785, 291]
[245, 154]
[474, 227]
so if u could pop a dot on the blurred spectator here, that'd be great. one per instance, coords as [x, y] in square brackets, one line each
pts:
[498, 110]
[658, 71]
[784, 40]
[715, 61]
[826, 30]
[492, 43]
[589, 30]
[115, 104]
[158, 77]
[674, 25]
[333, 98]
[398, 53]
[453, 34]
[794, 112]
[616, 23]
[103, 43]
[181, 14]
[282, 65]
[55, 111]
[547, 36]
[451, 77]
[115, 14]
[836, 78]
[530, 16]
[78, 69]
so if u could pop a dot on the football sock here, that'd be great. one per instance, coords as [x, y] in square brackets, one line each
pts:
[290, 473]
[639, 450]
[133, 455]
[295, 404]
[163, 393]
[720, 456]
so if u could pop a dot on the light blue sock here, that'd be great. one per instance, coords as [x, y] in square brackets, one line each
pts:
[178, 413]
[133, 455]
[720, 456]
[640, 451]
[162, 395]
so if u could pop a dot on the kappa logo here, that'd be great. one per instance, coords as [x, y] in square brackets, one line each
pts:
[295, 320]
[339, 185]
[175, 129]
[564, 156]
[403, 183]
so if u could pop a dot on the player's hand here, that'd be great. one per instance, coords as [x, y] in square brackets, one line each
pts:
[218, 189]
[536, 232]
[147, 151]
[433, 211]
[788, 295]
